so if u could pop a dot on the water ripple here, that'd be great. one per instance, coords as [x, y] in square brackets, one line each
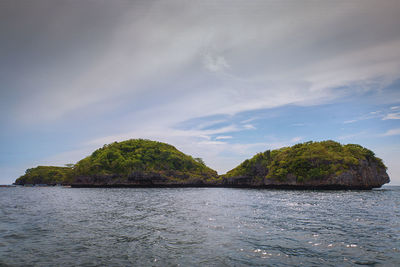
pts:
[198, 227]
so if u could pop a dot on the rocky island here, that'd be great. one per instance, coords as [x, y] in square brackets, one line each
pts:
[312, 165]
[46, 175]
[139, 162]
[145, 163]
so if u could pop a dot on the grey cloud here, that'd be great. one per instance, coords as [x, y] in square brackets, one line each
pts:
[61, 56]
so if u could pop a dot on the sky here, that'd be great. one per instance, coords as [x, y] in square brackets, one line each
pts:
[219, 80]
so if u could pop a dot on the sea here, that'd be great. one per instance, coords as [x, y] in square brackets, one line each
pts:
[57, 226]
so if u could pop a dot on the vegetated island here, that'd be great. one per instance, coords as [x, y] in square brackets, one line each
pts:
[145, 163]
[47, 175]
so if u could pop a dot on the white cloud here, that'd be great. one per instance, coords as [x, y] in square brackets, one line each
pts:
[296, 139]
[350, 136]
[390, 153]
[375, 115]
[222, 137]
[392, 132]
[215, 64]
[249, 120]
[166, 133]
[392, 116]
[350, 121]
[211, 143]
[66, 157]
[208, 123]
[395, 107]
[359, 68]
[249, 127]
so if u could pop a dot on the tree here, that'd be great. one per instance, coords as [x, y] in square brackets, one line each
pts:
[200, 160]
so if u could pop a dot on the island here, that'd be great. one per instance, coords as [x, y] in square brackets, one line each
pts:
[46, 175]
[131, 163]
[146, 163]
[311, 165]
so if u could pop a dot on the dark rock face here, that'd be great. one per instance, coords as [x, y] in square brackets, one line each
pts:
[367, 175]
[141, 179]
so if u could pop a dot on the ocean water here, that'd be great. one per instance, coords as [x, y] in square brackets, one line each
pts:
[55, 226]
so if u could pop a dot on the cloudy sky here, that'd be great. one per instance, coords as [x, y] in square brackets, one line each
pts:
[220, 80]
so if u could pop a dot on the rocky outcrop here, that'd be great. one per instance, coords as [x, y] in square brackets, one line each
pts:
[145, 179]
[367, 175]
[315, 165]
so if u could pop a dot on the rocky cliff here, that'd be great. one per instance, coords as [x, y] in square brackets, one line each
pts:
[311, 165]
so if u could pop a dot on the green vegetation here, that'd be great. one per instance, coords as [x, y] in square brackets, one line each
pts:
[139, 161]
[307, 161]
[46, 175]
[123, 159]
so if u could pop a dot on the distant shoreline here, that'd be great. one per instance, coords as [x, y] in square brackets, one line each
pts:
[283, 187]
[278, 187]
